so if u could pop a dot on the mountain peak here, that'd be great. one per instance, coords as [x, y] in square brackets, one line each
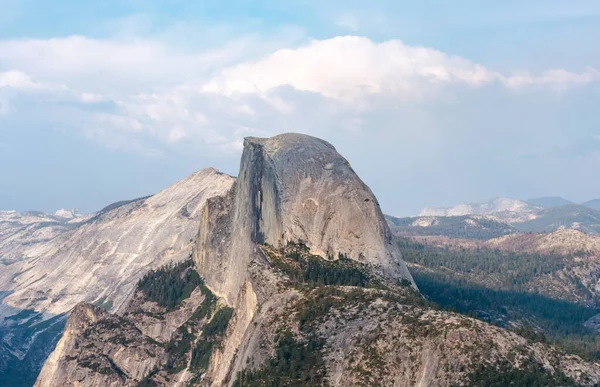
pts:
[67, 214]
[295, 187]
[493, 206]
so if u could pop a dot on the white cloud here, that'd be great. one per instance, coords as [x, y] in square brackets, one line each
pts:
[91, 97]
[137, 91]
[350, 67]
[113, 66]
[559, 79]
[17, 80]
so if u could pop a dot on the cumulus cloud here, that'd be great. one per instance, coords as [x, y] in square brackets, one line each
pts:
[17, 80]
[349, 67]
[114, 66]
[141, 88]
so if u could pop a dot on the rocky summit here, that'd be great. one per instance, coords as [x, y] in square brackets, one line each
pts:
[288, 275]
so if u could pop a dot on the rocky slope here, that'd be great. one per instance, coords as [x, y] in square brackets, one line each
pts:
[331, 327]
[150, 338]
[47, 270]
[20, 230]
[302, 285]
[290, 188]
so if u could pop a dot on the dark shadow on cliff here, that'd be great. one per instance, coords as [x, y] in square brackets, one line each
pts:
[27, 339]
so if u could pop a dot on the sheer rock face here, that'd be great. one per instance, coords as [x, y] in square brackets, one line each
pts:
[292, 187]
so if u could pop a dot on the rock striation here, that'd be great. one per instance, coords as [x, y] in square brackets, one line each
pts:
[292, 187]
[301, 285]
[49, 264]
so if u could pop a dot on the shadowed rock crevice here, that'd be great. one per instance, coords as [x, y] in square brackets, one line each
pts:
[293, 187]
[290, 188]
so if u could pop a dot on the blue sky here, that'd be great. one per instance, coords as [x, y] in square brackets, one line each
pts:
[432, 102]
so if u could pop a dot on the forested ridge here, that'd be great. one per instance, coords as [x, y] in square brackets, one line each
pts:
[471, 227]
[496, 286]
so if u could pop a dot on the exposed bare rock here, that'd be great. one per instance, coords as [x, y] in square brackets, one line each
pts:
[563, 241]
[303, 285]
[290, 187]
[157, 322]
[313, 335]
[99, 349]
[155, 342]
[48, 268]
[375, 337]
[104, 258]
[504, 209]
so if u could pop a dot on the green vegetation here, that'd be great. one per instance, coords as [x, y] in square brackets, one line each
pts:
[509, 270]
[181, 343]
[530, 375]
[212, 336]
[453, 227]
[171, 284]
[494, 286]
[296, 363]
[302, 267]
[552, 218]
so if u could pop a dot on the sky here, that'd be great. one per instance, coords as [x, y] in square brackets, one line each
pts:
[433, 103]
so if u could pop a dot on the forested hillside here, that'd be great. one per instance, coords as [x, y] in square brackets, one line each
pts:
[509, 289]
[468, 226]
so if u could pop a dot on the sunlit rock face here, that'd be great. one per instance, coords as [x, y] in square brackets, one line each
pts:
[49, 263]
[293, 187]
[290, 187]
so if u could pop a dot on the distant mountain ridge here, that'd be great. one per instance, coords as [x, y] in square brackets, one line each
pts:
[594, 204]
[545, 214]
[549, 201]
[504, 209]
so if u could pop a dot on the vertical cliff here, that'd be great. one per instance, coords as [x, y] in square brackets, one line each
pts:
[301, 285]
[290, 188]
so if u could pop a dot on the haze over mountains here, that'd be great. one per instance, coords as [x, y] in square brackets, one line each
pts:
[290, 274]
[536, 215]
